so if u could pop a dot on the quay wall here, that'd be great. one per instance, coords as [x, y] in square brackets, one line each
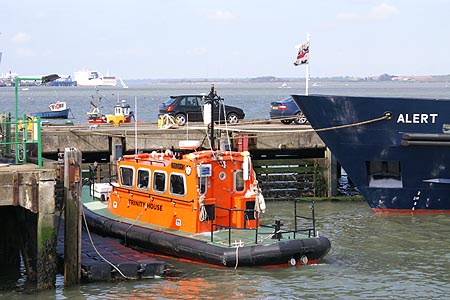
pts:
[27, 209]
[149, 137]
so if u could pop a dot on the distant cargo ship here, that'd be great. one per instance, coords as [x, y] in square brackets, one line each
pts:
[93, 78]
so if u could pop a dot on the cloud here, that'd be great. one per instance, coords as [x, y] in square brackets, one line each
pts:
[379, 12]
[21, 38]
[197, 51]
[348, 17]
[383, 11]
[222, 15]
[25, 52]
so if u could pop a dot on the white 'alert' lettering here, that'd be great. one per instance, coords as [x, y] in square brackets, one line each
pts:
[417, 118]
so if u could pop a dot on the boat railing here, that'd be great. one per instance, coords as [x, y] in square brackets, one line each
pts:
[229, 227]
[311, 229]
[302, 224]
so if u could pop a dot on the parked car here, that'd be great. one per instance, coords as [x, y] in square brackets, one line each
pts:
[190, 108]
[287, 111]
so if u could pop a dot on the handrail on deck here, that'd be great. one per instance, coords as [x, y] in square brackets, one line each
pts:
[229, 227]
[278, 232]
[310, 230]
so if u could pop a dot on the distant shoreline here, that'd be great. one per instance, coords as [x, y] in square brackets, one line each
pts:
[282, 82]
[272, 79]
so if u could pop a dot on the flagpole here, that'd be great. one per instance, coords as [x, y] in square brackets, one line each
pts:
[135, 125]
[307, 67]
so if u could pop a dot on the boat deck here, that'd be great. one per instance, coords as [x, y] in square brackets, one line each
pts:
[238, 237]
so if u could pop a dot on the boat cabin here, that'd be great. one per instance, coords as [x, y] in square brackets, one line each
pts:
[199, 192]
[57, 106]
[122, 109]
[122, 114]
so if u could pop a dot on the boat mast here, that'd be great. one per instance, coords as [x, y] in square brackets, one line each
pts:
[212, 98]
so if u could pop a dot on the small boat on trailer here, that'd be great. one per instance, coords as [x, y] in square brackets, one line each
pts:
[203, 206]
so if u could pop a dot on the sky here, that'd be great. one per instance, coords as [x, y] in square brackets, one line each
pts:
[164, 39]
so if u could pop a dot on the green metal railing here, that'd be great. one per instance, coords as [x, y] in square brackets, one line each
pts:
[27, 141]
[27, 132]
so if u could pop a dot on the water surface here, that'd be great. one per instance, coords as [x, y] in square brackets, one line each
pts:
[372, 256]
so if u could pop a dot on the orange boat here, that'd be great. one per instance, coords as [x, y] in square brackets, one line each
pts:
[203, 206]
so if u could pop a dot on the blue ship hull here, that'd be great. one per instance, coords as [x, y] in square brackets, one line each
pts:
[395, 150]
[60, 114]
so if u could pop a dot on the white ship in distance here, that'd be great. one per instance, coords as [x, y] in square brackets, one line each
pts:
[93, 78]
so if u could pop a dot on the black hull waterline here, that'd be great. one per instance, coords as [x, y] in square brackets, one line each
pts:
[195, 250]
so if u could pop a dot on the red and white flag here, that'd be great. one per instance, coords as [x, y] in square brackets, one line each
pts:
[302, 54]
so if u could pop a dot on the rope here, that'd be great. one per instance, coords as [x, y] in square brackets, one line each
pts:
[134, 222]
[238, 245]
[95, 248]
[203, 213]
[387, 115]
[167, 121]
[237, 257]
[228, 129]
[384, 117]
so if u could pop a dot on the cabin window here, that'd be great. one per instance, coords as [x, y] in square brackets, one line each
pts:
[239, 183]
[126, 176]
[385, 174]
[177, 184]
[203, 184]
[143, 179]
[159, 181]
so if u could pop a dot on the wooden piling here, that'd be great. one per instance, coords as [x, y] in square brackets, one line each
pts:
[72, 216]
[331, 168]
[117, 150]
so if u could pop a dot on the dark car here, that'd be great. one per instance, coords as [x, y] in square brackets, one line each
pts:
[287, 111]
[190, 108]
